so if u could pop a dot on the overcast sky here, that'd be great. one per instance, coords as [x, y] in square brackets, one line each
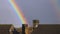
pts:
[46, 11]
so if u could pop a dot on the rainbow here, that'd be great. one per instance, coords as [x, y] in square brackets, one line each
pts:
[56, 7]
[18, 11]
[55, 3]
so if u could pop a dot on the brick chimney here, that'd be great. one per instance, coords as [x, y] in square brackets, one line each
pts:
[24, 28]
[35, 23]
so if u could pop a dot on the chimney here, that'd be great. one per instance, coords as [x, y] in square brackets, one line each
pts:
[24, 28]
[35, 23]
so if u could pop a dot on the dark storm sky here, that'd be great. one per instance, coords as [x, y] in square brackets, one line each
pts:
[44, 10]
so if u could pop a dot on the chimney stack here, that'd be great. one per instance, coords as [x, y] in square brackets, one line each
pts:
[24, 28]
[35, 23]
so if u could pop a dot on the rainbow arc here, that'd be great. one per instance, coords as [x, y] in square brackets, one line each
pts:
[18, 11]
